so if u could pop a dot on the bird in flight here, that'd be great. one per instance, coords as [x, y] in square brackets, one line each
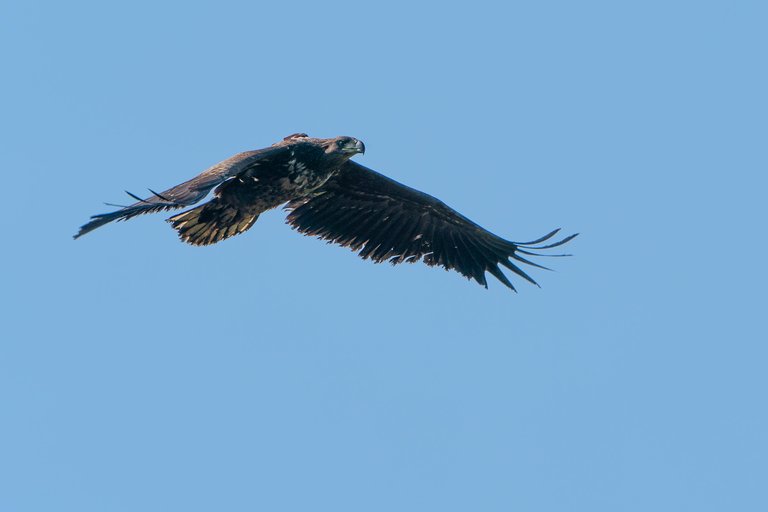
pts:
[338, 200]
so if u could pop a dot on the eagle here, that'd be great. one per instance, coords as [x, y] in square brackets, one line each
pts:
[336, 199]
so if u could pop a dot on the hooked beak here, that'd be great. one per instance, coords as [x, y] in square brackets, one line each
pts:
[359, 147]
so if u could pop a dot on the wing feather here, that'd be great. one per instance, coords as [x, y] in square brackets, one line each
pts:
[384, 220]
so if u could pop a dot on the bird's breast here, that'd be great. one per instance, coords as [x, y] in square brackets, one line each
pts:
[302, 178]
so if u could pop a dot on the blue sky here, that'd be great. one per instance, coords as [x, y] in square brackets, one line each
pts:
[276, 372]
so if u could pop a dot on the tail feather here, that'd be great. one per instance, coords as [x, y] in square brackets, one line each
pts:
[211, 223]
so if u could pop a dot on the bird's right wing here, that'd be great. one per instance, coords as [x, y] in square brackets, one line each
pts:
[187, 193]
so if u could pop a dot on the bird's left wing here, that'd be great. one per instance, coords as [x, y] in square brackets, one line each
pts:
[387, 221]
[187, 193]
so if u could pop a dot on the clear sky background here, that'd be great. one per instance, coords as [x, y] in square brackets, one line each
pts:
[273, 372]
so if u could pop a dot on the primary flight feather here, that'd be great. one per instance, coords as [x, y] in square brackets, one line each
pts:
[336, 199]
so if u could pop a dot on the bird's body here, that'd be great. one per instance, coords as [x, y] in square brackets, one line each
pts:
[266, 183]
[335, 199]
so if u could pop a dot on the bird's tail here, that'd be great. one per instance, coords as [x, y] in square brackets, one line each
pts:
[211, 223]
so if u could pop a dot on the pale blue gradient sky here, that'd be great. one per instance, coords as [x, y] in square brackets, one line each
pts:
[274, 372]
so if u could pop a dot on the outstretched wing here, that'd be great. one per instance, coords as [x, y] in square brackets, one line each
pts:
[187, 193]
[387, 221]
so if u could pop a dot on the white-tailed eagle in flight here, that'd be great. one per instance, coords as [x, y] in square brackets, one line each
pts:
[336, 199]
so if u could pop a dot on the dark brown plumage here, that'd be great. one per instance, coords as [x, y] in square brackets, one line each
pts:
[338, 200]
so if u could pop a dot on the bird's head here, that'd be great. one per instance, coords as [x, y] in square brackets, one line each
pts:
[347, 146]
